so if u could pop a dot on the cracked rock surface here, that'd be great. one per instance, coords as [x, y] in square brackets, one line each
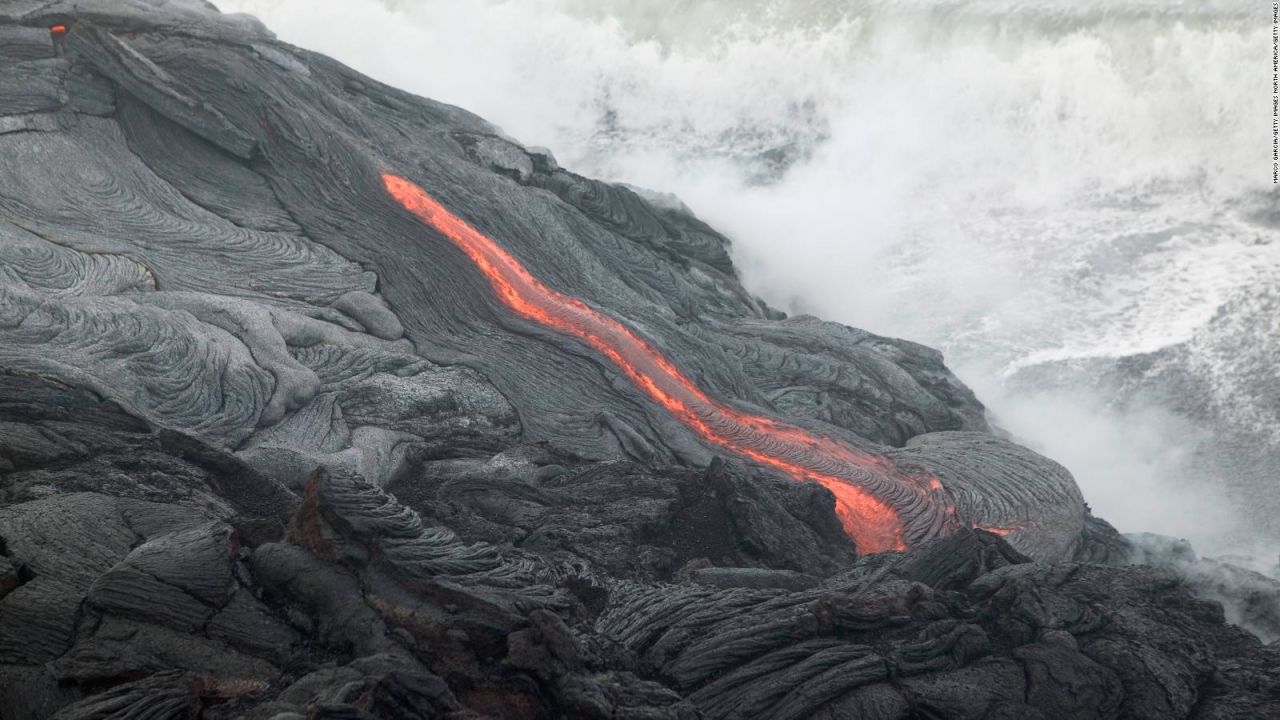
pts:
[270, 448]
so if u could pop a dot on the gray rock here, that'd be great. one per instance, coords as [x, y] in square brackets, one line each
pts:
[25, 43]
[179, 579]
[370, 312]
[32, 86]
[752, 578]
[164, 695]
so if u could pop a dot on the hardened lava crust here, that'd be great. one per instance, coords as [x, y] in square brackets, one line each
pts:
[322, 400]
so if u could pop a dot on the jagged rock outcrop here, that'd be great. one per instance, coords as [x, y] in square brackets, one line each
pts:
[273, 447]
[152, 575]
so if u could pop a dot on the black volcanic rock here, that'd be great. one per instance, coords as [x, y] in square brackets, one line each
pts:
[271, 447]
[150, 571]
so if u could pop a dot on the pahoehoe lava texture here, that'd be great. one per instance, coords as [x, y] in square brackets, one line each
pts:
[868, 490]
[244, 182]
[272, 446]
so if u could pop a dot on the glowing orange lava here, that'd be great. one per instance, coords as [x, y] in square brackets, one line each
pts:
[58, 30]
[871, 521]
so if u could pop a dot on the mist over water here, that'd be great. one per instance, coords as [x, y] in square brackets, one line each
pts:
[1070, 199]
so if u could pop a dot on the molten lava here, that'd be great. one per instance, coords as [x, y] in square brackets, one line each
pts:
[861, 482]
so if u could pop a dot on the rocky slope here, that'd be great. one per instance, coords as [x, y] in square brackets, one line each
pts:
[275, 443]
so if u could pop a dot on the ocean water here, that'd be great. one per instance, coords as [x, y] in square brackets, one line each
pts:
[1072, 200]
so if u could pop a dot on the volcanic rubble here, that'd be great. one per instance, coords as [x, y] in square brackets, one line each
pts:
[272, 446]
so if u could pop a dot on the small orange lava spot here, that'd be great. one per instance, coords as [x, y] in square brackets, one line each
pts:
[869, 519]
[58, 30]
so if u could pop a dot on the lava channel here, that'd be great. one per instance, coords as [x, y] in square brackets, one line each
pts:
[863, 484]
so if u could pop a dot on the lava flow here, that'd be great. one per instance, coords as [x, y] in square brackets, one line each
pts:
[861, 482]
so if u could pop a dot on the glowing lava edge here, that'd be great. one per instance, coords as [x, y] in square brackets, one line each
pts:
[863, 484]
